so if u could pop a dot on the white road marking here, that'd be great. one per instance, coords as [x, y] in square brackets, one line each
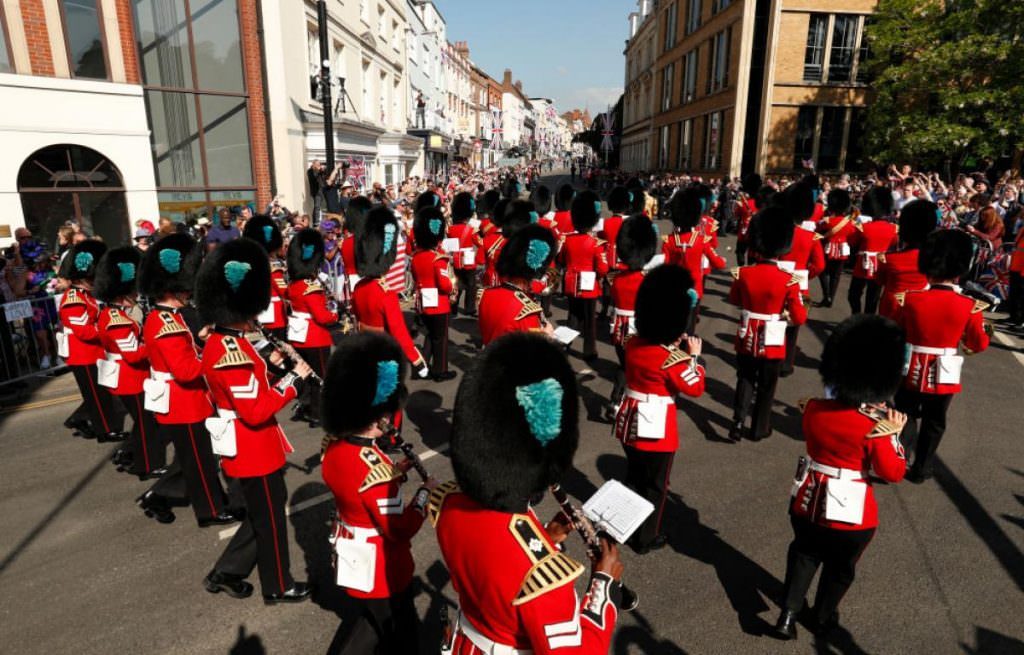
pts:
[1007, 340]
[227, 533]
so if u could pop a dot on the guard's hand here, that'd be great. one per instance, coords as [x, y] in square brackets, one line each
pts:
[431, 483]
[205, 332]
[559, 527]
[276, 358]
[303, 370]
[548, 329]
[422, 372]
[897, 418]
[694, 346]
[404, 465]
[609, 562]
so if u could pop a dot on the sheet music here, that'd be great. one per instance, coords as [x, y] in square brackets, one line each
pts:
[565, 334]
[617, 510]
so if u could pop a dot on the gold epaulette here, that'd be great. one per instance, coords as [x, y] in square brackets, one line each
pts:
[233, 355]
[735, 272]
[380, 471]
[313, 287]
[170, 325]
[383, 285]
[437, 497]
[280, 282]
[979, 306]
[600, 242]
[675, 356]
[550, 570]
[528, 306]
[708, 238]
[72, 298]
[900, 297]
[118, 318]
[883, 427]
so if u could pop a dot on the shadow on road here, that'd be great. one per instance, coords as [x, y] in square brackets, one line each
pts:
[425, 411]
[247, 644]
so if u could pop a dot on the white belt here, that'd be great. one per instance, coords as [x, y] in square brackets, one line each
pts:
[624, 312]
[160, 375]
[487, 645]
[759, 317]
[302, 315]
[652, 398]
[868, 253]
[838, 473]
[358, 534]
[114, 357]
[926, 350]
[226, 413]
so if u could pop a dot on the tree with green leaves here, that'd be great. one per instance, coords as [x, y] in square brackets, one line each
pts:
[948, 79]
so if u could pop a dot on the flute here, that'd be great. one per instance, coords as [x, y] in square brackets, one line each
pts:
[286, 349]
[586, 529]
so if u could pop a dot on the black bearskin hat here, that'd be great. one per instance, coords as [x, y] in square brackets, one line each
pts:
[527, 254]
[515, 423]
[498, 212]
[305, 254]
[518, 214]
[117, 274]
[918, 219]
[490, 198]
[586, 211]
[81, 261]
[685, 209]
[356, 213]
[839, 202]
[377, 248]
[663, 304]
[637, 242]
[428, 227]
[513, 187]
[946, 255]
[751, 184]
[798, 201]
[564, 197]
[427, 199]
[170, 266]
[463, 207]
[637, 198]
[877, 202]
[541, 199]
[765, 196]
[364, 382]
[771, 233]
[233, 285]
[263, 230]
[863, 360]
[619, 200]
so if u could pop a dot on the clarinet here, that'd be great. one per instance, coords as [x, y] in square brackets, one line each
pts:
[286, 349]
[588, 532]
[396, 440]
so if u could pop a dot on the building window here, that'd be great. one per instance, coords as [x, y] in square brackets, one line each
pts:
[395, 36]
[690, 75]
[381, 25]
[713, 140]
[830, 143]
[6, 65]
[666, 87]
[83, 33]
[814, 56]
[829, 138]
[855, 160]
[671, 18]
[685, 154]
[663, 148]
[862, 56]
[719, 5]
[365, 79]
[844, 40]
[803, 149]
[718, 63]
[693, 16]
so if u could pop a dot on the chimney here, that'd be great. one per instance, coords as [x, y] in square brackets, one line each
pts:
[507, 80]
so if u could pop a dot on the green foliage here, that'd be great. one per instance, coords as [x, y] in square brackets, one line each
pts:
[948, 78]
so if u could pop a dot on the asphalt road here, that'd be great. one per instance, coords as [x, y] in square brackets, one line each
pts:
[83, 571]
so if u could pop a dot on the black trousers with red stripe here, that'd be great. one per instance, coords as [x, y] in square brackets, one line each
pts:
[194, 452]
[388, 626]
[757, 379]
[435, 345]
[647, 473]
[262, 538]
[144, 442]
[317, 360]
[583, 318]
[467, 290]
[99, 403]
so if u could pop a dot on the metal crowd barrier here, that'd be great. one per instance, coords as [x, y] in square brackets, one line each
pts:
[28, 346]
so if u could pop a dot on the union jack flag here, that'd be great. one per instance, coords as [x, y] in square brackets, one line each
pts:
[496, 129]
[994, 275]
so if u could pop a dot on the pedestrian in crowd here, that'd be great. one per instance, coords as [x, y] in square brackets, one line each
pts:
[245, 215]
[315, 178]
[225, 230]
[509, 307]
[585, 260]
[434, 280]
[989, 228]
[1016, 282]
[421, 111]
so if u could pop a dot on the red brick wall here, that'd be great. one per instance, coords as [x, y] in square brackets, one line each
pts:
[34, 19]
[258, 131]
[126, 23]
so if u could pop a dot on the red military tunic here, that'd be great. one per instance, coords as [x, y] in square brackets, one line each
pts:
[278, 294]
[655, 374]
[486, 228]
[765, 293]
[856, 440]
[583, 254]
[431, 272]
[625, 286]
[807, 257]
[348, 261]
[835, 233]
[547, 221]
[936, 322]
[507, 308]
[173, 353]
[376, 308]
[309, 302]
[709, 228]
[367, 496]
[492, 246]
[745, 210]
[1017, 254]
[898, 273]
[690, 250]
[871, 241]
[515, 587]
[563, 221]
[464, 259]
[79, 313]
[609, 233]
[122, 340]
[237, 376]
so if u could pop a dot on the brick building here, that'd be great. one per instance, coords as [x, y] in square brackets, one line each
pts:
[745, 85]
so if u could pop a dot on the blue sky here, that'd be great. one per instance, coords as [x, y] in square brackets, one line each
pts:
[567, 50]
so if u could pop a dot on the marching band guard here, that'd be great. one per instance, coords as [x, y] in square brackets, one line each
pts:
[564, 197]
[355, 222]
[688, 246]
[311, 317]
[898, 271]
[485, 209]
[514, 433]
[835, 229]
[232, 288]
[126, 364]
[937, 320]
[619, 202]
[876, 236]
[435, 284]
[79, 315]
[462, 211]
[492, 243]
[805, 259]
[746, 207]
[265, 232]
[662, 361]
[542, 200]
[769, 298]
[848, 433]
[373, 302]
[373, 529]
[176, 391]
[585, 260]
[509, 307]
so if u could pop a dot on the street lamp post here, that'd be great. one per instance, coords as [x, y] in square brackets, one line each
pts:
[325, 84]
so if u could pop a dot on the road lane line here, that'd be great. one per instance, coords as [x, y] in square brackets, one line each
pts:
[39, 404]
[227, 533]
[1007, 340]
